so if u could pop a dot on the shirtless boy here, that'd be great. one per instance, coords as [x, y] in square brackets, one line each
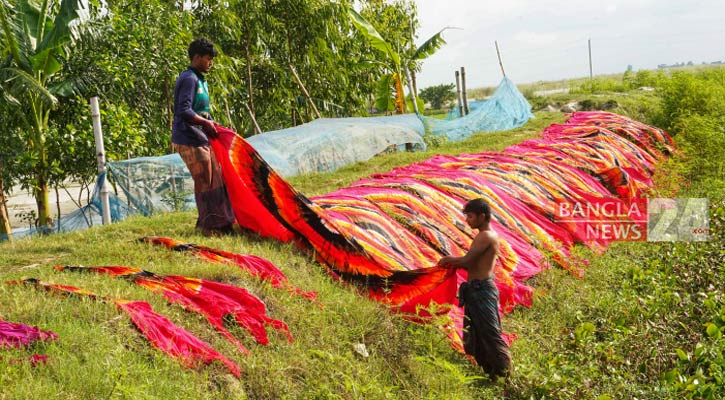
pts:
[479, 296]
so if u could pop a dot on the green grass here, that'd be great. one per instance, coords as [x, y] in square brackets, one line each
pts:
[613, 334]
[100, 355]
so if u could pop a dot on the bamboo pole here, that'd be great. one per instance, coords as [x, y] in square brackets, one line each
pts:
[304, 90]
[463, 91]
[500, 63]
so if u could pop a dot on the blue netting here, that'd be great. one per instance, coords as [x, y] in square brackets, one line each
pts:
[155, 184]
[329, 143]
[83, 218]
[506, 109]
[455, 113]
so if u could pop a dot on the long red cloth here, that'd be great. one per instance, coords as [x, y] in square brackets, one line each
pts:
[160, 332]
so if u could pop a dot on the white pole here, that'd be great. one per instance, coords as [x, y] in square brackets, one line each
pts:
[591, 73]
[101, 159]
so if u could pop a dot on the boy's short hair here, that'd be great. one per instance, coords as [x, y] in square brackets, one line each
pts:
[202, 47]
[478, 206]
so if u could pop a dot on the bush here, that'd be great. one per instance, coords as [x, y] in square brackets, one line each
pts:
[600, 85]
[438, 95]
[687, 94]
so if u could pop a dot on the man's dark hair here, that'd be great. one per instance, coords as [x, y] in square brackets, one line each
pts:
[478, 206]
[202, 47]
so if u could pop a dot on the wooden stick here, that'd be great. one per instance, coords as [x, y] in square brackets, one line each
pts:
[304, 90]
[254, 120]
[458, 94]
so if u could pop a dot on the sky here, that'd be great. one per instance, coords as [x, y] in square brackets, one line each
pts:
[542, 40]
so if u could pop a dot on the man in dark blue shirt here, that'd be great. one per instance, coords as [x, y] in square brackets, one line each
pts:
[190, 133]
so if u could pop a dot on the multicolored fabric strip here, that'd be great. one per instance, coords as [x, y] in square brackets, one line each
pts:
[213, 300]
[386, 232]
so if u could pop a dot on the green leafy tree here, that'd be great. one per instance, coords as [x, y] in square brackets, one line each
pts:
[10, 149]
[36, 40]
[259, 41]
[438, 95]
[136, 59]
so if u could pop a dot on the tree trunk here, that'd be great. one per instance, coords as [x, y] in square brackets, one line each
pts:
[4, 219]
[413, 97]
[41, 200]
[40, 191]
[229, 115]
[250, 88]
[414, 79]
[169, 112]
[304, 91]
[57, 208]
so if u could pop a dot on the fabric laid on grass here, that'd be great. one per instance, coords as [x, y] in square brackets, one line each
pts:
[20, 335]
[14, 335]
[387, 232]
[162, 333]
[256, 266]
[213, 300]
[171, 339]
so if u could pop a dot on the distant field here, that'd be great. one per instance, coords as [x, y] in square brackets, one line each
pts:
[529, 88]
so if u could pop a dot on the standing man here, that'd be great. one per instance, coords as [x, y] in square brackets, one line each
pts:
[190, 133]
[482, 337]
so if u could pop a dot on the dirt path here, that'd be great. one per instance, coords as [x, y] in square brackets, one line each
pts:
[21, 203]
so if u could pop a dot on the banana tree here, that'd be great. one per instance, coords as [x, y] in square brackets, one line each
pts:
[399, 65]
[35, 39]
